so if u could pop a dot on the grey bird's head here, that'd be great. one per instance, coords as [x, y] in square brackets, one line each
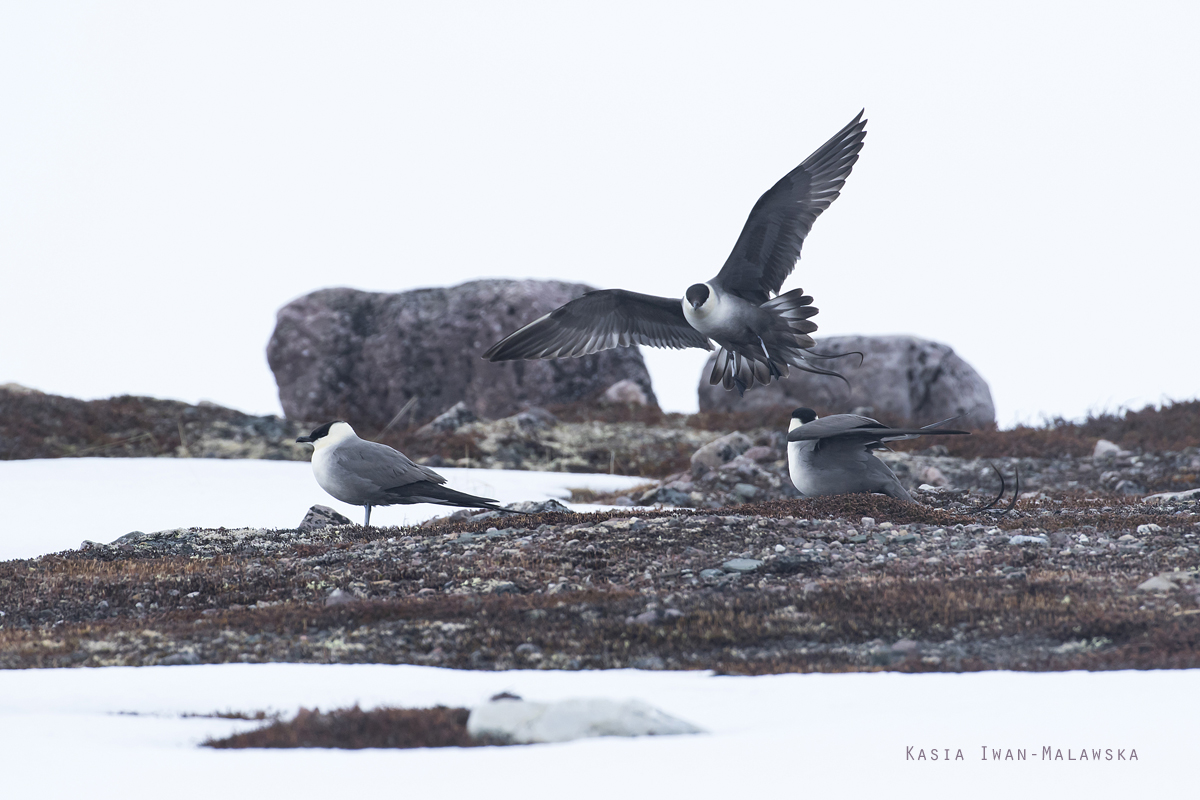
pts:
[697, 294]
[801, 416]
[328, 434]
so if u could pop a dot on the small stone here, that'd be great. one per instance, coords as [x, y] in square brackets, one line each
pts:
[760, 453]
[1129, 487]
[1150, 528]
[626, 392]
[451, 419]
[1159, 583]
[780, 548]
[718, 452]
[181, 658]
[1020, 539]
[747, 491]
[868, 522]
[930, 475]
[1106, 449]
[538, 507]
[905, 646]
[1166, 497]
[648, 662]
[337, 598]
[741, 565]
[711, 574]
[321, 517]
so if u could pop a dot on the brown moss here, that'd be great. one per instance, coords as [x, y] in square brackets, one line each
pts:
[355, 729]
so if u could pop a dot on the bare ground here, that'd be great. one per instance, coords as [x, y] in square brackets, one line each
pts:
[777, 584]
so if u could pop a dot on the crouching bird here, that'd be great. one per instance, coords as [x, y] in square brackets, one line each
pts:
[369, 474]
[833, 455]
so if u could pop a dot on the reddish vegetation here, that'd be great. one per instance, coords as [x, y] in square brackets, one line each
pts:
[354, 729]
[1172, 427]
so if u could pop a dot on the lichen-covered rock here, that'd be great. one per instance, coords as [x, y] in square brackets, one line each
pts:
[360, 356]
[904, 379]
[720, 451]
[321, 517]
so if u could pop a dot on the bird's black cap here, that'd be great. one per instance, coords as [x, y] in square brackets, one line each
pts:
[696, 294]
[317, 433]
[805, 415]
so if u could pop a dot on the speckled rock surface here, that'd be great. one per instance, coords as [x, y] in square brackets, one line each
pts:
[360, 356]
[905, 379]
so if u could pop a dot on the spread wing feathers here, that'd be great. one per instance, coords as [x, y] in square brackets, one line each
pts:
[430, 492]
[862, 429]
[375, 467]
[741, 365]
[795, 309]
[770, 242]
[598, 321]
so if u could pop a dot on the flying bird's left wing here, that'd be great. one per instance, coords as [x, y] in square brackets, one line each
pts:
[598, 321]
[769, 245]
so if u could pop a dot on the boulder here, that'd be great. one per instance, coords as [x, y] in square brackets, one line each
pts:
[902, 379]
[524, 722]
[718, 452]
[360, 356]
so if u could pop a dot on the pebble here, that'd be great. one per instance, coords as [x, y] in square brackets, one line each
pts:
[1151, 528]
[711, 574]
[740, 565]
[1029, 540]
[337, 597]
[1158, 583]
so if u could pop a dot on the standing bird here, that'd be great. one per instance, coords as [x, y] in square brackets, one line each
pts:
[759, 334]
[833, 455]
[364, 473]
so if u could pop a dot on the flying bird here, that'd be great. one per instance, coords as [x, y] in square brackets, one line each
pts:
[369, 474]
[759, 332]
[833, 455]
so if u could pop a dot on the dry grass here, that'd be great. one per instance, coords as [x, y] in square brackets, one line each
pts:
[355, 729]
[1171, 427]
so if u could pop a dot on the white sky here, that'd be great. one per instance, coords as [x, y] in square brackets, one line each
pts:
[171, 174]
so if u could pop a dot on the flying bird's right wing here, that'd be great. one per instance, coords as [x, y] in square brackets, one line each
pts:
[770, 242]
[598, 321]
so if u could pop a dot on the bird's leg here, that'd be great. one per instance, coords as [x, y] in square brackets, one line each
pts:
[737, 377]
[774, 370]
[367, 523]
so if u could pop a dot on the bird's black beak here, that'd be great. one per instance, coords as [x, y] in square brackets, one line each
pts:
[304, 440]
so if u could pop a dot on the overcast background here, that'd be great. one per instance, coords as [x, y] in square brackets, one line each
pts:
[172, 174]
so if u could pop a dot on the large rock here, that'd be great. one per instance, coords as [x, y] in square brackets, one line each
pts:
[524, 722]
[902, 378]
[359, 356]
